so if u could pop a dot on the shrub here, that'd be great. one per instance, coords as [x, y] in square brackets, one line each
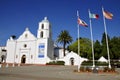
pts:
[56, 63]
[101, 64]
[90, 63]
[87, 63]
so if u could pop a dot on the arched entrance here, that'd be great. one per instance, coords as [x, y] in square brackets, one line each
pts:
[72, 61]
[23, 59]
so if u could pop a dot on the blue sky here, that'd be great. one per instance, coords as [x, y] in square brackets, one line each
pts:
[16, 15]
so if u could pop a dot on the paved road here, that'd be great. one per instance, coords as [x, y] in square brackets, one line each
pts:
[51, 73]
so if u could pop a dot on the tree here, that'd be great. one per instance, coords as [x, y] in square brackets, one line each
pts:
[64, 38]
[104, 46]
[85, 47]
[114, 47]
[97, 49]
[103, 41]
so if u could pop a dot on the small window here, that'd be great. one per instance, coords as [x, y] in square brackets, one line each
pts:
[16, 56]
[42, 26]
[31, 56]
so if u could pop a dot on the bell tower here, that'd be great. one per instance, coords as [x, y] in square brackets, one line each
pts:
[44, 48]
[44, 30]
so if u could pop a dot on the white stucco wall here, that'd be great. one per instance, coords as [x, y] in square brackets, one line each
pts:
[76, 59]
[28, 51]
[41, 60]
[68, 57]
[10, 51]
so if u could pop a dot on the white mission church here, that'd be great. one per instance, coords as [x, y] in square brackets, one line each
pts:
[30, 49]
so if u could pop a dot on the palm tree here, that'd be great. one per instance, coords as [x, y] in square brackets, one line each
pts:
[64, 38]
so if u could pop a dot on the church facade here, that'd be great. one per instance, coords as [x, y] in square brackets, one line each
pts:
[30, 49]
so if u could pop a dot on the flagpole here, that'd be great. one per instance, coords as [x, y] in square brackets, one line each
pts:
[92, 40]
[78, 35]
[78, 41]
[106, 39]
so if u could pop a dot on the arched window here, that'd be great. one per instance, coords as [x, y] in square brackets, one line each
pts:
[42, 26]
[41, 34]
